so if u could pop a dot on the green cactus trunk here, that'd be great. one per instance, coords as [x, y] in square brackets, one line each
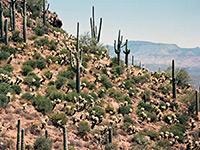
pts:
[110, 135]
[13, 13]
[94, 28]
[18, 134]
[1, 20]
[118, 46]
[46, 134]
[24, 21]
[11, 17]
[126, 52]
[78, 62]
[132, 60]
[6, 32]
[65, 139]
[173, 80]
[22, 140]
[197, 103]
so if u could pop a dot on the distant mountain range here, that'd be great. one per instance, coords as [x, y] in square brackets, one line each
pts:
[159, 55]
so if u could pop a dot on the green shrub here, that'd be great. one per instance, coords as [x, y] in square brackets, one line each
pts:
[71, 84]
[4, 55]
[31, 63]
[48, 74]
[70, 96]
[151, 133]
[5, 72]
[43, 143]
[6, 13]
[109, 109]
[141, 79]
[32, 80]
[118, 70]
[183, 118]
[3, 100]
[67, 74]
[105, 81]
[41, 42]
[86, 58]
[115, 94]
[37, 56]
[4, 88]
[26, 69]
[56, 95]
[145, 95]
[163, 143]
[95, 97]
[60, 81]
[28, 96]
[101, 92]
[98, 111]
[15, 36]
[53, 45]
[42, 104]
[41, 64]
[83, 128]
[6, 48]
[125, 109]
[39, 31]
[128, 119]
[59, 119]
[33, 37]
[147, 107]
[16, 89]
[8, 67]
[140, 139]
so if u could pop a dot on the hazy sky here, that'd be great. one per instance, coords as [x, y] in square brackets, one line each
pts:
[165, 21]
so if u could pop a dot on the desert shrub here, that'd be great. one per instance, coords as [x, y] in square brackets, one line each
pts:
[129, 84]
[33, 37]
[71, 84]
[67, 74]
[6, 48]
[145, 95]
[3, 100]
[42, 104]
[183, 118]
[5, 72]
[60, 81]
[126, 125]
[111, 146]
[41, 64]
[95, 97]
[151, 114]
[50, 89]
[173, 104]
[166, 88]
[141, 79]
[70, 96]
[147, 107]
[28, 96]
[86, 58]
[109, 109]
[4, 55]
[124, 109]
[29, 22]
[140, 139]
[16, 89]
[39, 31]
[89, 85]
[8, 67]
[105, 81]
[56, 95]
[32, 80]
[26, 69]
[59, 119]
[98, 111]
[163, 143]
[151, 133]
[41, 42]
[31, 63]
[118, 70]
[101, 92]
[37, 56]
[15, 36]
[6, 13]
[4, 88]
[48, 74]
[83, 128]
[43, 143]
[128, 119]
[34, 6]
[126, 98]
[53, 45]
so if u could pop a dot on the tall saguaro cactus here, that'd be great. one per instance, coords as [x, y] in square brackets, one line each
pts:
[18, 134]
[78, 62]
[65, 139]
[6, 32]
[23, 13]
[173, 80]
[22, 140]
[132, 60]
[46, 134]
[119, 46]
[94, 34]
[126, 52]
[1, 20]
[45, 11]
[197, 103]
[110, 135]
[13, 13]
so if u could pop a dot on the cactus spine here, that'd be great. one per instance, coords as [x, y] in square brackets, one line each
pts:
[126, 52]
[22, 140]
[78, 62]
[197, 103]
[65, 139]
[1, 20]
[94, 28]
[46, 134]
[118, 46]
[13, 13]
[18, 134]
[132, 60]
[23, 13]
[6, 32]
[173, 80]
[45, 11]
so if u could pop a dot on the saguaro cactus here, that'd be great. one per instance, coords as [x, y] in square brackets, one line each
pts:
[13, 13]
[173, 80]
[126, 52]
[22, 140]
[45, 11]
[23, 13]
[94, 34]
[197, 103]
[110, 135]
[46, 134]
[65, 139]
[6, 32]
[18, 134]
[11, 16]
[118, 46]
[1, 20]
[133, 60]
[78, 62]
